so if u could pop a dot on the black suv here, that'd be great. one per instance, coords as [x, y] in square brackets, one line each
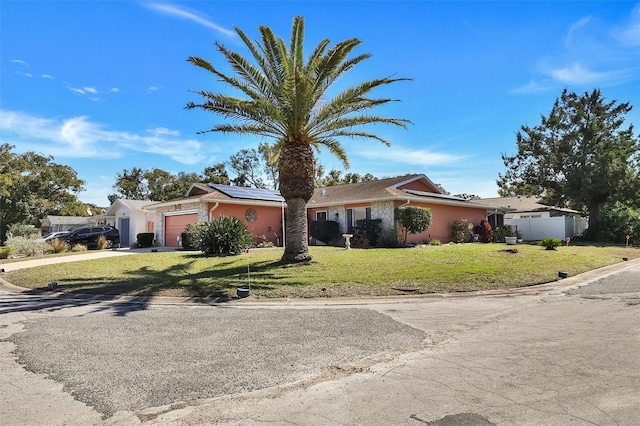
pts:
[88, 236]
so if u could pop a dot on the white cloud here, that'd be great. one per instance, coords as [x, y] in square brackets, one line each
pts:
[417, 157]
[90, 90]
[114, 90]
[630, 34]
[188, 14]
[152, 89]
[589, 56]
[531, 87]
[18, 61]
[576, 74]
[75, 90]
[575, 27]
[26, 74]
[49, 76]
[78, 137]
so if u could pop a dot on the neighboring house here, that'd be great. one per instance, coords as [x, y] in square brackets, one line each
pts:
[63, 223]
[532, 219]
[263, 210]
[378, 199]
[130, 218]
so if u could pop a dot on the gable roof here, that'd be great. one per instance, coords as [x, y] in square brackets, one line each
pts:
[388, 189]
[521, 204]
[131, 205]
[204, 193]
[412, 187]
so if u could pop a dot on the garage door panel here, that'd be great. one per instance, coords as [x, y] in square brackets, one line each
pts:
[175, 225]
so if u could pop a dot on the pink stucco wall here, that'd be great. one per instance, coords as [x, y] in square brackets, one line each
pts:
[441, 218]
[268, 222]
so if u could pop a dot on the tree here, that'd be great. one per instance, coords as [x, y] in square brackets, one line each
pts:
[247, 167]
[160, 185]
[579, 156]
[132, 185]
[286, 98]
[468, 197]
[413, 220]
[216, 174]
[334, 177]
[33, 186]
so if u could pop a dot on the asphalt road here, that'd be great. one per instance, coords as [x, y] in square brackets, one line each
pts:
[563, 353]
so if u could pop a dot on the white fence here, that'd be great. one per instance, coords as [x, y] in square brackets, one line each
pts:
[537, 228]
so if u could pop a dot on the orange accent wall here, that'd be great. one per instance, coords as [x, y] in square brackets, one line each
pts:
[419, 185]
[441, 218]
[267, 217]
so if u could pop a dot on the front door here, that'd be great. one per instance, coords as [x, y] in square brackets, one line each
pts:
[124, 232]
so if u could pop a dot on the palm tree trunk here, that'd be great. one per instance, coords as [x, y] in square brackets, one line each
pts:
[296, 239]
[297, 181]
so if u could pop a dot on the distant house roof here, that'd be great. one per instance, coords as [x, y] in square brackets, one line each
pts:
[131, 205]
[522, 204]
[66, 220]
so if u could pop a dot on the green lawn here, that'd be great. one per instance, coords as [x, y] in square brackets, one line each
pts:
[334, 271]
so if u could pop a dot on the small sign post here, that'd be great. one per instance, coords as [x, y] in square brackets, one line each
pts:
[628, 236]
[568, 240]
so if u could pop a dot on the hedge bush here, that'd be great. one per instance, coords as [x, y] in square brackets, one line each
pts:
[484, 230]
[145, 239]
[459, 230]
[324, 230]
[371, 229]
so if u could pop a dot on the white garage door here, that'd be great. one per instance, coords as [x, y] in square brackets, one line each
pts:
[175, 225]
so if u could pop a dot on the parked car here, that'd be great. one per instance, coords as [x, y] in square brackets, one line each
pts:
[88, 236]
[52, 236]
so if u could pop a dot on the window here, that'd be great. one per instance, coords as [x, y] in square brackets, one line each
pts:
[321, 215]
[357, 213]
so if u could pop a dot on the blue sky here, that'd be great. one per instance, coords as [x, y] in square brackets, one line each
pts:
[102, 86]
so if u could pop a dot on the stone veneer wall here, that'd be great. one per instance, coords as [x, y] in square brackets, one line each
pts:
[383, 210]
[203, 216]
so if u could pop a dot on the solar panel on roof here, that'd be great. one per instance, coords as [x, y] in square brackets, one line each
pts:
[249, 193]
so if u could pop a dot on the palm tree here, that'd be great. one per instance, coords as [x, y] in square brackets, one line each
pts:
[285, 99]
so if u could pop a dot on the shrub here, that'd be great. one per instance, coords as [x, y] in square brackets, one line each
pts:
[435, 242]
[615, 222]
[102, 243]
[413, 220]
[484, 230]
[223, 235]
[550, 243]
[25, 245]
[371, 229]
[324, 230]
[459, 230]
[390, 238]
[262, 242]
[4, 252]
[190, 237]
[20, 230]
[145, 239]
[58, 246]
[78, 248]
[501, 232]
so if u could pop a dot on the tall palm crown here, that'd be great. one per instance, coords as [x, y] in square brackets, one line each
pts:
[284, 99]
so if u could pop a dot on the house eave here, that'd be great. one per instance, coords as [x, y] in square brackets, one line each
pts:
[401, 198]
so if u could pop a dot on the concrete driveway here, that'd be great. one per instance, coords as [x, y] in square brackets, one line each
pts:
[563, 353]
